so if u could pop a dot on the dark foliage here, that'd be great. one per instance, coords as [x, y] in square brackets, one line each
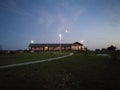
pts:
[111, 48]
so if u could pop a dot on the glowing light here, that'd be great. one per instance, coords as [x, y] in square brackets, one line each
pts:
[32, 41]
[46, 48]
[60, 35]
[66, 30]
[82, 41]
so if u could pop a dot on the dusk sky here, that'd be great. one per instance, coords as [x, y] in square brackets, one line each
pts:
[97, 22]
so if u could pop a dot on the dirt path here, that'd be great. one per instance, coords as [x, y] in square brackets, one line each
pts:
[27, 63]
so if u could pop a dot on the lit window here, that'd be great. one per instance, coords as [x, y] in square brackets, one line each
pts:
[46, 48]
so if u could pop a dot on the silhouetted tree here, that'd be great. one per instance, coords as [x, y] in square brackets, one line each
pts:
[103, 49]
[111, 48]
[97, 49]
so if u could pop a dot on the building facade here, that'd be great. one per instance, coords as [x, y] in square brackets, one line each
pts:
[55, 46]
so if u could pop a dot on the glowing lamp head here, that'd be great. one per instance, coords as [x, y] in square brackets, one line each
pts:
[66, 30]
[32, 41]
[82, 41]
[60, 35]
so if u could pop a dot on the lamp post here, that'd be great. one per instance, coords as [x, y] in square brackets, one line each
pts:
[82, 41]
[60, 35]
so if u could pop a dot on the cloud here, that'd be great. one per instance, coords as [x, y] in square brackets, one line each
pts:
[61, 14]
[64, 15]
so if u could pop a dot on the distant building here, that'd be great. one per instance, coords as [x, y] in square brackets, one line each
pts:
[55, 46]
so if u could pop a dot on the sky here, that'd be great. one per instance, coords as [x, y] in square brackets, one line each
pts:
[97, 22]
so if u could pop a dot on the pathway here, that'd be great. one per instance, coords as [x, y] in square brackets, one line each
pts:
[27, 63]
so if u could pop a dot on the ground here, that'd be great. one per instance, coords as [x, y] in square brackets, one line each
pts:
[77, 72]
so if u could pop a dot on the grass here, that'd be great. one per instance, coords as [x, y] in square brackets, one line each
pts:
[77, 72]
[6, 59]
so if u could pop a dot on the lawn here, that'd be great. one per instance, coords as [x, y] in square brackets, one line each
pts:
[77, 72]
[6, 59]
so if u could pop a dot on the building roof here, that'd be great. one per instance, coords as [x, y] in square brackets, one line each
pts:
[78, 43]
[47, 44]
[52, 44]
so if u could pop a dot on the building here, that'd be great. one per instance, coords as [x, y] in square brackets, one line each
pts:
[55, 46]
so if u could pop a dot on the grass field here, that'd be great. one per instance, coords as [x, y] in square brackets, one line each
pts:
[77, 72]
[6, 59]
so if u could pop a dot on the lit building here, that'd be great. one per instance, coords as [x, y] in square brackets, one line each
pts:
[55, 46]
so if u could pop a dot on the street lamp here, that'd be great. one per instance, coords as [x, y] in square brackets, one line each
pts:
[82, 41]
[60, 35]
[32, 41]
[66, 30]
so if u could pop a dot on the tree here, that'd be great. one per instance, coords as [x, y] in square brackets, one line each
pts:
[111, 48]
[97, 49]
[103, 49]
